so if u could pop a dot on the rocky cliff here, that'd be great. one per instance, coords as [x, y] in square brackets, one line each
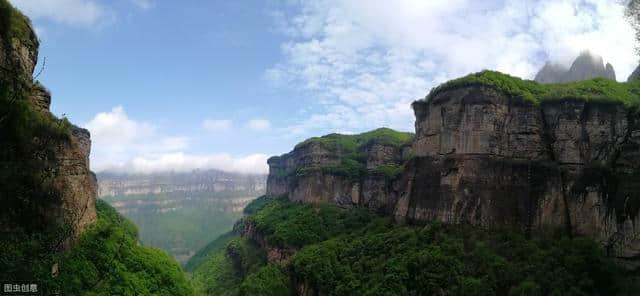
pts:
[342, 169]
[491, 150]
[45, 160]
[585, 66]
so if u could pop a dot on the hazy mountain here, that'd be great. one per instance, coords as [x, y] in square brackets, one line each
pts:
[181, 212]
[586, 66]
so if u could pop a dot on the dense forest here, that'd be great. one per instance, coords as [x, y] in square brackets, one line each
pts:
[354, 252]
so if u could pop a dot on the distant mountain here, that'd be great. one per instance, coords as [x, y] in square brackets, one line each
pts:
[586, 66]
[181, 212]
[113, 184]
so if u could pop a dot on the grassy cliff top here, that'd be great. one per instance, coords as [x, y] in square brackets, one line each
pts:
[351, 143]
[596, 90]
[13, 23]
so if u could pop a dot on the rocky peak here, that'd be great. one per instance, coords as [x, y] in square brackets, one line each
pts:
[551, 73]
[51, 151]
[586, 66]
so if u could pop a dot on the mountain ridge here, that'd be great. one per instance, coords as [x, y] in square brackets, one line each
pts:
[490, 150]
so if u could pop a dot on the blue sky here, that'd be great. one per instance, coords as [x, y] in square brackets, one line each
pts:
[178, 85]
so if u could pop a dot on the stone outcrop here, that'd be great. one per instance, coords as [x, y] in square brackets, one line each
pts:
[584, 67]
[273, 253]
[70, 178]
[552, 73]
[483, 157]
[302, 176]
[76, 184]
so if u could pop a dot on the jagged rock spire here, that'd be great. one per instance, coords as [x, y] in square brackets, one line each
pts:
[586, 66]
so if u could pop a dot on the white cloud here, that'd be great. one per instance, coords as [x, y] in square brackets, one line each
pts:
[70, 12]
[363, 62]
[181, 162]
[143, 4]
[259, 124]
[124, 145]
[217, 125]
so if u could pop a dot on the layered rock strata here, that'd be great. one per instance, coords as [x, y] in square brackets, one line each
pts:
[485, 157]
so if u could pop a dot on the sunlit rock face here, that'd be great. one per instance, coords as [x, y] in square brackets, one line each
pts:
[484, 158]
[586, 66]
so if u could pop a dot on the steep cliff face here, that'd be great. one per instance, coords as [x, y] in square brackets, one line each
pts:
[74, 180]
[487, 159]
[489, 154]
[45, 160]
[342, 169]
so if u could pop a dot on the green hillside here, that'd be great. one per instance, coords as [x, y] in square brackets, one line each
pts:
[107, 260]
[597, 90]
[353, 252]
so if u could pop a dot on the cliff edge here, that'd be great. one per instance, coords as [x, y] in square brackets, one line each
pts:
[492, 150]
[45, 176]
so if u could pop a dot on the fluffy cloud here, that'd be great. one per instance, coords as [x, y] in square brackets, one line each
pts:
[217, 125]
[70, 12]
[259, 124]
[124, 145]
[365, 61]
[181, 162]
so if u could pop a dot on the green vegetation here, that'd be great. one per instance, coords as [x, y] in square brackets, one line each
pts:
[211, 248]
[349, 148]
[13, 23]
[596, 90]
[349, 144]
[354, 252]
[389, 171]
[352, 169]
[256, 205]
[269, 280]
[288, 224]
[107, 260]
[184, 227]
[240, 269]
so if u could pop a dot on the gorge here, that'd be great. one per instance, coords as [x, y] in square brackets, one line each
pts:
[181, 212]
